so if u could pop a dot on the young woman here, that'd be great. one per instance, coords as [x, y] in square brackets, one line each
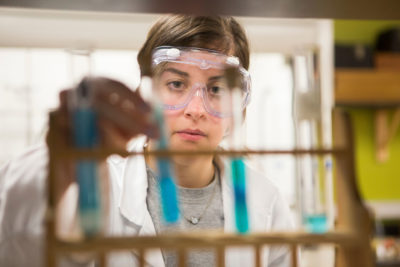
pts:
[184, 55]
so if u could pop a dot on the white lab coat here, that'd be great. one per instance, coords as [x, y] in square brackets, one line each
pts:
[23, 203]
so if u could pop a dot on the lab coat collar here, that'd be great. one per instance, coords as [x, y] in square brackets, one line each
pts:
[134, 208]
[259, 202]
[134, 190]
[134, 185]
[133, 204]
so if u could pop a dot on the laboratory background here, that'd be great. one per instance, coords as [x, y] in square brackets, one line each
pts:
[303, 66]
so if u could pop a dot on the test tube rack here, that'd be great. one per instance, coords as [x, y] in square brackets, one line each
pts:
[352, 234]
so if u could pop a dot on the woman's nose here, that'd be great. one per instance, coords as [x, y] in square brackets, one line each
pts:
[195, 108]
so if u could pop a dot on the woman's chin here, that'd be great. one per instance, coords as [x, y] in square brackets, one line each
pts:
[187, 146]
[190, 146]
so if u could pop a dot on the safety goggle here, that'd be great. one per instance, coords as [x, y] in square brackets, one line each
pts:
[180, 73]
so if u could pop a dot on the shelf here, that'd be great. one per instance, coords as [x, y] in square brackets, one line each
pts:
[103, 153]
[351, 235]
[205, 239]
[388, 264]
[387, 60]
[367, 87]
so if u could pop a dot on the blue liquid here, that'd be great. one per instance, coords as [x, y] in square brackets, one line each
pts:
[89, 198]
[85, 128]
[85, 136]
[239, 184]
[167, 187]
[316, 223]
[169, 201]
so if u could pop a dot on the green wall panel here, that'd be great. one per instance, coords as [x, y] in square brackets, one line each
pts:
[361, 31]
[377, 181]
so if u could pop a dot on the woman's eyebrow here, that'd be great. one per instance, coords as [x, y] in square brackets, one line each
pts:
[182, 73]
[185, 74]
[216, 78]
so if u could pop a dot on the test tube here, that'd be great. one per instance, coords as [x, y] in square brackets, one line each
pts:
[167, 187]
[85, 136]
[238, 168]
[314, 173]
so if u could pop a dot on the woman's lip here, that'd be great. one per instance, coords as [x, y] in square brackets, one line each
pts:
[192, 132]
[191, 135]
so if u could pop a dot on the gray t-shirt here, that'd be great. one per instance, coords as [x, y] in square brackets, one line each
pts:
[206, 201]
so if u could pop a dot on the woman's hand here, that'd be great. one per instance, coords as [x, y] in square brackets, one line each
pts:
[121, 115]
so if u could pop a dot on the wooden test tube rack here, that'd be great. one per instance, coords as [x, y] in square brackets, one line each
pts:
[352, 234]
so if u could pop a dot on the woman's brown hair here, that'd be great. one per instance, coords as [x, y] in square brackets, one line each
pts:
[223, 34]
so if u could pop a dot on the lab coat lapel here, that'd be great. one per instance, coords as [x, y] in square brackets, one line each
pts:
[233, 256]
[154, 256]
[258, 217]
[134, 187]
[133, 205]
[227, 199]
[258, 202]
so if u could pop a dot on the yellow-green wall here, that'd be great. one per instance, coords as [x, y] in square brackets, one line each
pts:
[360, 31]
[378, 181]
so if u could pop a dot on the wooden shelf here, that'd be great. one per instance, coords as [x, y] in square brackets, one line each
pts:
[352, 234]
[367, 87]
[386, 60]
[206, 239]
[71, 153]
[377, 88]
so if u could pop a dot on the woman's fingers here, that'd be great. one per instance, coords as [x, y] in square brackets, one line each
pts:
[122, 108]
[122, 113]
[125, 115]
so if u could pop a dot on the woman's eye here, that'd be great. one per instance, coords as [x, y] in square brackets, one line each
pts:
[176, 85]
[217, 90]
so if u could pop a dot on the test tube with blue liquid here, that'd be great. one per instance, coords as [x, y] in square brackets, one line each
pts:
[85, 136]
[314, 172]
[167, 187]
[238, 168]
[314, 198]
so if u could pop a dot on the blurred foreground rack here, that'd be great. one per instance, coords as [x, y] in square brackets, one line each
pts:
[352, 234]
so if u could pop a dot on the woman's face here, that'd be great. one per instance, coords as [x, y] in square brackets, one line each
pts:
[192, 127]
